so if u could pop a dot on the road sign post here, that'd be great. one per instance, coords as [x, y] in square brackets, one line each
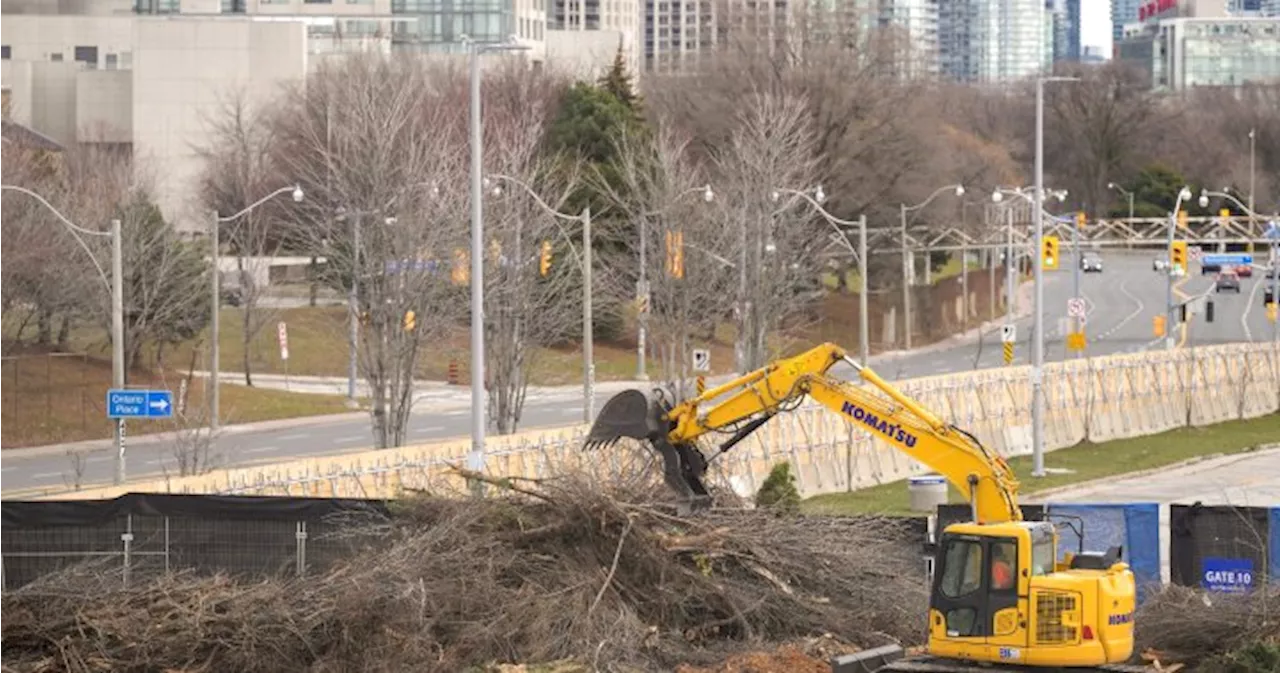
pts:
[122, 404]
[282, 334]
[1008, 353]
[1008, 336]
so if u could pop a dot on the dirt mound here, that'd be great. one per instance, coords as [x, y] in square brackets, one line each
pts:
[563, 571]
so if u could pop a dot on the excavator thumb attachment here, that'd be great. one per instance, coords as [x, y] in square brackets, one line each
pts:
[632, 414]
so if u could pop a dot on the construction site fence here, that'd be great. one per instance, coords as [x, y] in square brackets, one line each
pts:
[141, 535]
[1094, 399]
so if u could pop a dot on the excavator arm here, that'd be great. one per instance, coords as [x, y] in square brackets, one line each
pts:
[751, 400]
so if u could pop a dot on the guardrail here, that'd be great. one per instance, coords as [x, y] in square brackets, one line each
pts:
[1097, 399]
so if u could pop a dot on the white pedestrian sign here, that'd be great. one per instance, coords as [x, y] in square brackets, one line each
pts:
[282, 334]
[701, 360]
[1075, 307]
[1009, 333]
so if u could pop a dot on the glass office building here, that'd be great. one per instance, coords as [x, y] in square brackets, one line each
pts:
[1224, 52]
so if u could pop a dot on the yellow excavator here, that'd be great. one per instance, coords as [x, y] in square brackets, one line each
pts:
[1000, 598]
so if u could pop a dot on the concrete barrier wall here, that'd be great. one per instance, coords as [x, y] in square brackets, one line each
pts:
[1097, 399]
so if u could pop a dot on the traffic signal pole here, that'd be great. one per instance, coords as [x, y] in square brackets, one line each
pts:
[1168, 289]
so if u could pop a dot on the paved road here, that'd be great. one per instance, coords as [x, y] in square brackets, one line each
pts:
[1246, 479]
[1121, 302]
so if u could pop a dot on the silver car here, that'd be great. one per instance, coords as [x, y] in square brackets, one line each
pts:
[1091, 263]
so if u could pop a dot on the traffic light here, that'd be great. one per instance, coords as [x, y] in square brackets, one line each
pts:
[1049, 253]
[1178, 254]
[1157, 325]
[544, 260]
[410, 320]
[1224, 213]
[1182, 219]
[461, 274]
[675, 254]
[1081, 220]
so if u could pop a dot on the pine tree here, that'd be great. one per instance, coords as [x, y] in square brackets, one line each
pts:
[617, 81]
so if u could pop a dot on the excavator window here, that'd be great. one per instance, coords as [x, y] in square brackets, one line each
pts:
[1004, 564]
[962, 574]
[1042, 556]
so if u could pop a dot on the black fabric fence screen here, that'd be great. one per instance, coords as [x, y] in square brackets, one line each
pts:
[144, 534]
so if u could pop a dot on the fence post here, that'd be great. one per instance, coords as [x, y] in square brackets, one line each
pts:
[301, 537]
[127, 538]
[166, 545]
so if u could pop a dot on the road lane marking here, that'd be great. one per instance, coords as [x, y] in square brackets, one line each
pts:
[1124, 288]
[431, 428]
[348, 438]
[1244, 319]
[260, 449]
[296, 435]
[46, 475]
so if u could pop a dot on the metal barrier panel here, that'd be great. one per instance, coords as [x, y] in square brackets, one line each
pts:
[1219, 548]
[1135, 527]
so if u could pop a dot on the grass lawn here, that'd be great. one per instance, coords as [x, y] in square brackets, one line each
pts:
[61, 398]
[1087, 461]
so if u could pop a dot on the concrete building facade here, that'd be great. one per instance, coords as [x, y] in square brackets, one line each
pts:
[1184, 52]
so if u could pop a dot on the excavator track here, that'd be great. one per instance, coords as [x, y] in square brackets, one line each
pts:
[923, 663]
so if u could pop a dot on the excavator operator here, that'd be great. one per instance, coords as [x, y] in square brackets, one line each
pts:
[1001, 569]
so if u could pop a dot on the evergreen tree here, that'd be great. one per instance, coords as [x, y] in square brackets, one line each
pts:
[617, 81]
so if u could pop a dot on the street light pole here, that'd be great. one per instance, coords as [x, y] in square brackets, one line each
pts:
[116, 285]
[816, 202]
[353, 311]
[1183, 195]
[1252, 155]
[216, 288]
[1037, 348]
[475, 458]
[642, 287]
[117, 337]
[908, 260]
[588, 345]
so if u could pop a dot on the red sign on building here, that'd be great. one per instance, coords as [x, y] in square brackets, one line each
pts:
[1155, 8]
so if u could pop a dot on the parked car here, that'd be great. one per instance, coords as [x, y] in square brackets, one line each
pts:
[1244, 270]
[1227, 281]
[1091, 263]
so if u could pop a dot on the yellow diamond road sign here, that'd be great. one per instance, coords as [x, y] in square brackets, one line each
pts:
[1076, 341]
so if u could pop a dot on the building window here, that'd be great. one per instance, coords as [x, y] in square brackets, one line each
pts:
[56, 58]
[87, 55]
[112, 62]
[4, 52]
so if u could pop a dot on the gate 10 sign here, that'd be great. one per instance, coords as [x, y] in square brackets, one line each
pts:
[1230, 575]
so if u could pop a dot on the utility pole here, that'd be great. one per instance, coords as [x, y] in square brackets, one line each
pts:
[907, 268]
[863, 320]
[642, 293]
[353, 310]
[1009, 269]
[1037, 347]
[1075, 291]
[588, 364]
[216, 286]
[475, 459]
[117, 338]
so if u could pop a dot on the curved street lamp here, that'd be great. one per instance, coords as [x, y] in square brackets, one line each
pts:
[216, 291]
[584, 260]
[1122, 190]
[860, 253]
[116, 285]
[908, 265]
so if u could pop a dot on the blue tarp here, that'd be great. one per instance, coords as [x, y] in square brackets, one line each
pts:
[1135, 527]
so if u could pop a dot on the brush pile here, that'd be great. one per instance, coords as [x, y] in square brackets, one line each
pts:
[539, 573]
[1192, 627]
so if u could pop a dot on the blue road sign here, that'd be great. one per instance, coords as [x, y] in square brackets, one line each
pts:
[1219, 259]
[139, 404]
[1231, 575]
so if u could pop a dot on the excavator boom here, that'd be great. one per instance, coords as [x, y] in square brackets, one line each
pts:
[749, 401]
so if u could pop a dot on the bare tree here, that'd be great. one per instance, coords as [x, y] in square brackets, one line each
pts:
[526, 310]
[1102, 128]
[239, 170]
[374, 144]
[662, 190]
[773, 144]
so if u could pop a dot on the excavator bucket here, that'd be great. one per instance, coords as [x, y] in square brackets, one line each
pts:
[632, 414]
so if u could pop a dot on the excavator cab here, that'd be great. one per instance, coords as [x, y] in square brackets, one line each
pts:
[999, 595]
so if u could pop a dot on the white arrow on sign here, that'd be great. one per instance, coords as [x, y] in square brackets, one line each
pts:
[1009, 333]
[160, 404]
[701, 360]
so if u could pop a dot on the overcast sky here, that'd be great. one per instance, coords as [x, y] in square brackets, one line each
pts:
[1095, 24]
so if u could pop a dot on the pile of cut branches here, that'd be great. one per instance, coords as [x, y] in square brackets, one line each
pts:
[1189, 626]
[563, 570]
